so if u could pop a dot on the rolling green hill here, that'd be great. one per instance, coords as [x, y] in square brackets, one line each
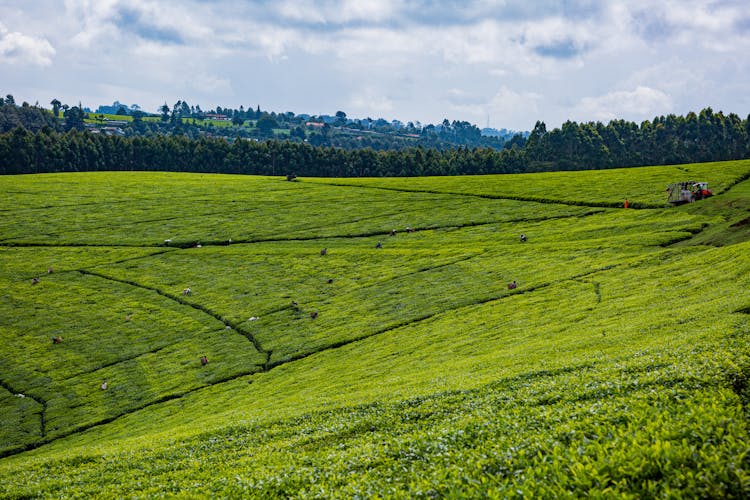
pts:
[618, 367]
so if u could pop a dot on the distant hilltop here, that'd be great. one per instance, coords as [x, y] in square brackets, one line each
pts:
[336, 130]
[118, 108]
[340, 119]
[502, 133]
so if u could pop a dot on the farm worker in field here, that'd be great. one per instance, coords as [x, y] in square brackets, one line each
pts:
[104, 385]
[204, 360]
[523, 238]
[627, 203]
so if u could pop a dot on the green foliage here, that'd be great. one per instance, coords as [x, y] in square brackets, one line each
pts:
[600, 188]
[182, 139]
[29, 117]
[94, 117]
[618, 367]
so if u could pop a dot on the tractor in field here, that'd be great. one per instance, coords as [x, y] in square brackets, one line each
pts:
[687, 191]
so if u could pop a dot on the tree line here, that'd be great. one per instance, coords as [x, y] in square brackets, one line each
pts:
[22, 151]
[706, 136]
[666, 140]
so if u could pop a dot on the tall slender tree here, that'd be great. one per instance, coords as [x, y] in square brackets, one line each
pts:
[56, 104]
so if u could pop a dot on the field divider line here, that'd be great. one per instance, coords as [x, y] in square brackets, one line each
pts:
[691, 233]
[534, 199]
[353, 221]
[268, 364]
[283, 239]
[419, 319]
[514, 220]
[188, 244]
[175, 217]
[129, 259]
[41, 402]
[94, 203]
[84, 427]
[106, 263]
[731, 184]
[25, 244]
[377, 284]
[432, 268]
[66, 205]
[121, 360]
[387, 280]
[249, 336]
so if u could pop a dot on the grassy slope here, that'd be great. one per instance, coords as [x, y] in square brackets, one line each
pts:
[598, 187]
[618, 363]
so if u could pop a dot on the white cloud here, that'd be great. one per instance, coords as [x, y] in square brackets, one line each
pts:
[91, 17]
[477, 43]
[210, 83]
[300, 11]
[367, 10]
[676, 75]
[274, 42]
[367, 99]
[509, 102]
[122, 23]
[504, 107]
[336, 11]
[17, 48]
[717, 26]
[459, 97]
[641, 102]
[516, 61]
[362, 46]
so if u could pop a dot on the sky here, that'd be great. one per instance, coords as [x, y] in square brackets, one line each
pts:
[502, 63]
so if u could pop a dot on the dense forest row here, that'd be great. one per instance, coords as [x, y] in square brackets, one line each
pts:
[22, 151]
[702, 137]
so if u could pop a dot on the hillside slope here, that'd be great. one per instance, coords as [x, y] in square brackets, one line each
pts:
[618, 365]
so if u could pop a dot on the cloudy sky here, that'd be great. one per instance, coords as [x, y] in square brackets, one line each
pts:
[506, 62]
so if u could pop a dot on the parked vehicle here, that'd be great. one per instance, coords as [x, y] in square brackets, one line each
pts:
[687, 192]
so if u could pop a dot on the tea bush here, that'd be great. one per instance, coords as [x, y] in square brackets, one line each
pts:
[617, 367]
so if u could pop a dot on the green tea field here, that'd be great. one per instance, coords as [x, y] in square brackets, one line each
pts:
[361, 340]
